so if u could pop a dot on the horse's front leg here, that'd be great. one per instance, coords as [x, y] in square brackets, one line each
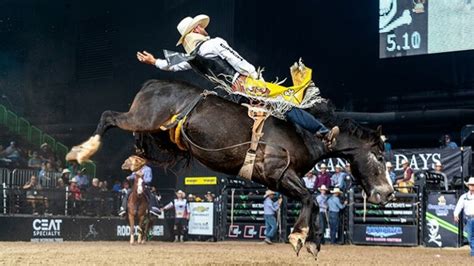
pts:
[131, 222]
[141, 229]
[316, 233]
[293, 187]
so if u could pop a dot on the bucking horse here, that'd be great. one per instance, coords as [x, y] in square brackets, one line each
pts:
[217, 133]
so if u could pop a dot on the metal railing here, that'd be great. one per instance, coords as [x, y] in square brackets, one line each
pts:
[59, 201]
[36, 136]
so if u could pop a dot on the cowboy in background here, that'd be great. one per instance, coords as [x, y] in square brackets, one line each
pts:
[214, 57]
[145, 171]
[323, 177]
[323, 209]
[181, 210]
[408, 180]
[390, 172]
[438, 169]
[466, 203]
[335, 206]
[270, 207]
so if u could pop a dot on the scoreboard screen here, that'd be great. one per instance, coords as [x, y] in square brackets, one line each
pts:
[414, 27]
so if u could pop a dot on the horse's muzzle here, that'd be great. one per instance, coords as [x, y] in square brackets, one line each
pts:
[381, 196]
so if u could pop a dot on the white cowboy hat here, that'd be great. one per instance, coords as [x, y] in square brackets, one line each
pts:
[438, 164]
[181, 192]
[383, 138]
[338, 166]
[404, 161]
[187, 24]
[323, 166]
[336, 190]
[388, 164]
[323, 187]
[268, 193]
[73, 180]
[65, 171]
[470, 181]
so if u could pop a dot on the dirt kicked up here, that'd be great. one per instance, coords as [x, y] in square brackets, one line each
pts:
[222, 253]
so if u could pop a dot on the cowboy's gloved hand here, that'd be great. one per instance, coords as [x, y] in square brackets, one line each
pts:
[146, 57]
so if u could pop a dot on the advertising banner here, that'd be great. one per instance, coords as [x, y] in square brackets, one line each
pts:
[381, 234]
[246, 231]
[58, 229]
[425, 160]
[440, 228]
[201, 219]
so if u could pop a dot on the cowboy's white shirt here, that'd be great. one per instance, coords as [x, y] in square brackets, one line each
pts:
[180, 207]
[466, 202]
[212, 48]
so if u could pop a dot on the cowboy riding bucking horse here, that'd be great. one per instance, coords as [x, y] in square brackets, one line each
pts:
[214, 58]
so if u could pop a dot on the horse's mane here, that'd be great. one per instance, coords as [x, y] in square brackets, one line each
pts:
[326, 111]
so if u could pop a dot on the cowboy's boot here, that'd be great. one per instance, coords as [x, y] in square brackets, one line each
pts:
[330, 137]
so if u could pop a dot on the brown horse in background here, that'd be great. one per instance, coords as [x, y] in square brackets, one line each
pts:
[137, 202]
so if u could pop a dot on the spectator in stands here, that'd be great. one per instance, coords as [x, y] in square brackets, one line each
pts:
[12, 153]
[388, 153]
[116, 187]
[34, 161]
[209, 197]
[338, 178]
[390, 172]
[82, 179]
[60, 184]
[270, 207]
[447, 143]
[103, 185]
[34, 194]
[350, 181]
[43, 174]
[323, 177]
[45, 152]
[93, 196]
[125, 187]
[65, 175]
[74, 190]
[323, 208]
[309, 181]
[181, 208]
[57, 197]
[438, 169]
[335, 206]
[408, 180]
[191, 198]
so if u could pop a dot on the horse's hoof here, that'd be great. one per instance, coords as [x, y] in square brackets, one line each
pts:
[312, 248]
[297, 242]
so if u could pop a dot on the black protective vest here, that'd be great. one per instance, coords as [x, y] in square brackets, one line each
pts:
[212, 66]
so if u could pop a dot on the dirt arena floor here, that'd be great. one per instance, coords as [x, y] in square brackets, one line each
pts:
[222, 253]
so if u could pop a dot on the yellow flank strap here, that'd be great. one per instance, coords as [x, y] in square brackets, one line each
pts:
[175, 132]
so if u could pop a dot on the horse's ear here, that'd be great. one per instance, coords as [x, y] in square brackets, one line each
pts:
[379, 130]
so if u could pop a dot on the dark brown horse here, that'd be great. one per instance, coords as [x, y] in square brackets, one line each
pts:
[137, 202]
[217, 133]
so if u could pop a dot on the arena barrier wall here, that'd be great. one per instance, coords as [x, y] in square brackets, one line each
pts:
[396, 223]
[440, 229]
[62, 228]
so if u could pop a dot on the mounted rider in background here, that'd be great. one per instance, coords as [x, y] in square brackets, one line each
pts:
[135, 162]
[214, 57]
